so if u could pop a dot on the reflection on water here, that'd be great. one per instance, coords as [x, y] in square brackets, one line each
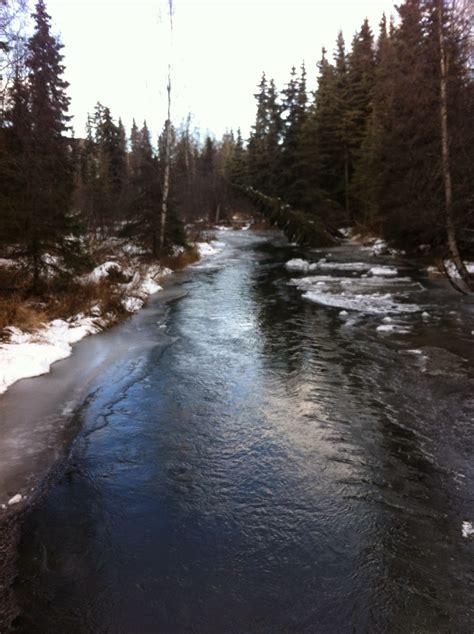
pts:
[263, 468]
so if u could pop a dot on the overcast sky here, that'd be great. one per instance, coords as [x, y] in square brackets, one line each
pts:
[117, 51]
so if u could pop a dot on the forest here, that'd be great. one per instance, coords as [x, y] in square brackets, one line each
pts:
[384, 144]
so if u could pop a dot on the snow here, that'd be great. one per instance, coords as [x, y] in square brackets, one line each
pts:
[132, 304]
[453, 272]
[103, 270]
[16, 499]
[467, 529]
[27, 355]
[8, 263]
[347, 232]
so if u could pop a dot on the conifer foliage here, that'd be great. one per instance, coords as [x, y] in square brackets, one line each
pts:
[387, 140]
[35, 214]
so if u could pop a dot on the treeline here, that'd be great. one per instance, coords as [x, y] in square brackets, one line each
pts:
[387, 139]
[57, 191]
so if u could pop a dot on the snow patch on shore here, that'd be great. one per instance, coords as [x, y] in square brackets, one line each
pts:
[453, 271]
[26, 355]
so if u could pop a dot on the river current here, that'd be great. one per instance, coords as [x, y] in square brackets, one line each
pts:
[255, 453]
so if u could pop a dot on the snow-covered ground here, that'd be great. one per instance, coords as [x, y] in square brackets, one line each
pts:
[31, 354]
[453, 272]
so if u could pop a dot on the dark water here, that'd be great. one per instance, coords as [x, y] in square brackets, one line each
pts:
[264, 466]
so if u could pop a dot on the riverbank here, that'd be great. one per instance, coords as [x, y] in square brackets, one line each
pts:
[36, 334]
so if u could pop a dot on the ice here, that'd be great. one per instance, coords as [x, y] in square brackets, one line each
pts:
[297, 265]
[209, 248]
[467, 529]
[341, 266]
[378, 247]
[393, 328]
[383, 271]
[371, 304]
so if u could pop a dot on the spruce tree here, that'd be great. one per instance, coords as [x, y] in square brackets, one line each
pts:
[294, 110]
[39, 220]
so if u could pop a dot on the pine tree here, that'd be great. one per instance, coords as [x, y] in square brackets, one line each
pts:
[360, 87]
[39, 220]
[237, 163]
[292, 167]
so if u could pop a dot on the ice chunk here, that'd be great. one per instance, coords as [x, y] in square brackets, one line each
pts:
[209, 248]
[16, 499]
[372, 304]
[467, 529]
[297, 265]
[383, 271]
[393, 328]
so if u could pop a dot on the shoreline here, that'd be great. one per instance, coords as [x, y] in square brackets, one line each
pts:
[31, 354]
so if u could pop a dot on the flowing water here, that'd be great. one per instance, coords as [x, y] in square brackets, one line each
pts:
[260, 450]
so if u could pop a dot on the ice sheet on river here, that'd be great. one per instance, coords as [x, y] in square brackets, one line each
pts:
[380, 294]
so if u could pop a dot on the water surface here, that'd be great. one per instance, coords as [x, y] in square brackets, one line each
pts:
[251, 461]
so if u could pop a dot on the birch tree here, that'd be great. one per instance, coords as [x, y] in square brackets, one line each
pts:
[167, 166]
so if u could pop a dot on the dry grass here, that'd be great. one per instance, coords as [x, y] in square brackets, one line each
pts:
[17, 311]
[180, 261]
[29, 313]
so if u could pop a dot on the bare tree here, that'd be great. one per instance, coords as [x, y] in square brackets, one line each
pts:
[446, 165]
[166, 174]
[13, 16]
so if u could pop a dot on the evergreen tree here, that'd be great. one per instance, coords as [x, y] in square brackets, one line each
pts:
[292, 170]
[360, 87]
[38, 218]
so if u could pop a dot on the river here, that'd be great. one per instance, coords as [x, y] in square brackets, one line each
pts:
[247, 460]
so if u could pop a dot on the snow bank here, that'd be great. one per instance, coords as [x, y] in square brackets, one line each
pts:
[102, 271]
[453, 272]
[346, 232]
[28, 355]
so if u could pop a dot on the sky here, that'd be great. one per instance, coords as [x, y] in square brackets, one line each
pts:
[117, 52]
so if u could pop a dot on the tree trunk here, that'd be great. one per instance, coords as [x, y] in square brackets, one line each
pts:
[448, 187]
[346, 182]
[166, 176]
